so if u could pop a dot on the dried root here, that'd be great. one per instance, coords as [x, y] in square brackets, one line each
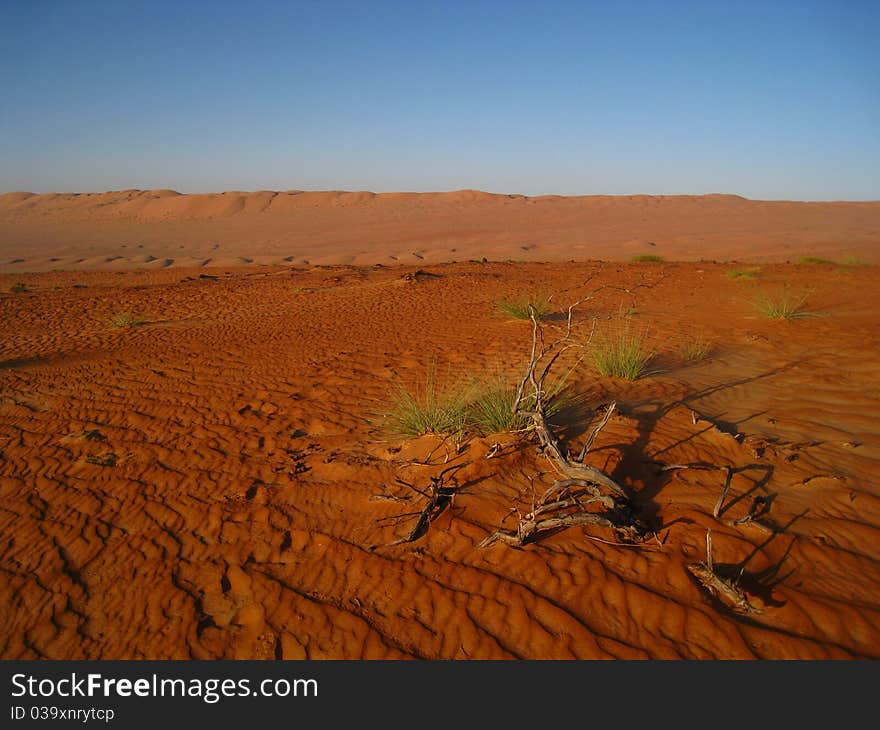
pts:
[566, 504]
[573, 500]
[439, 495]
[722, 589]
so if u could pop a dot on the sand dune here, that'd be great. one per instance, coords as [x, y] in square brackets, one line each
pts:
[216, 482]
[158, 228]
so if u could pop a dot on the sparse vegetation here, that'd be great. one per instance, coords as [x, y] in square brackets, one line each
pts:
[814, 260]
[524, 308]
[492, 410]
[695, 348]
[19, 287]
[852, 261]
[742, 274]
[471, 406]
[647, 258]
[784, 304]
[431, 408]
[623, 354]
[121, 320]
[493, 407]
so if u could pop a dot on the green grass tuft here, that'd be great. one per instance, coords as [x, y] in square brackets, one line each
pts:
[647, 258]
[473, 406]
[852, 261]
[19, 287]
[126, 319]
[490, 410]
[623, 354]
[427, 409]
[524, 308]
[784, 304]
[695, 348]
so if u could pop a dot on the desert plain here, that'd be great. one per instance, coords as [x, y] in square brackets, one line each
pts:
[200, 456]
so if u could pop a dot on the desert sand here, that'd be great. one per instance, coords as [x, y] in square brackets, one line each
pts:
[219, 479]
[161, 228]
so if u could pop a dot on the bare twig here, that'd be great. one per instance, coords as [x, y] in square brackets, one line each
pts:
[727, 482]
[438, 496]
[709, 550]
[718, 587]
[565, 503]
[595, 432]
[676, 467]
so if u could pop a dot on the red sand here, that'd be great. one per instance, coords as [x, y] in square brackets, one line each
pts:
[160, 228]
[205, 485]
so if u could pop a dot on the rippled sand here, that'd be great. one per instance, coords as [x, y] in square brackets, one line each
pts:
[211, 483]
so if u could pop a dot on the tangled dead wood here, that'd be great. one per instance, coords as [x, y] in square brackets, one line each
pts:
[439, 494]
[565, 503]
[723, 589]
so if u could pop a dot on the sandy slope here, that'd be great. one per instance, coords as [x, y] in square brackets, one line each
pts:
[161, 228]
[209, 484]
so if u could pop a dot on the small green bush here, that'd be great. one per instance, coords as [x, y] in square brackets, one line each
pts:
[126, 319]
[784, 304]
[492, 410]
[491, 407]
[813, 260]
[695, 348]
[623, 354]
[852, 261]
[524, 308]
[427, 409]
[647, 258]
[19, 287]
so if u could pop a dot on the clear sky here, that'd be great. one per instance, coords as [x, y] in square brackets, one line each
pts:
[773, 99]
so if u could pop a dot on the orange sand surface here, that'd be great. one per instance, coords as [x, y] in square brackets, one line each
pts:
[216, 481]
[162, 228]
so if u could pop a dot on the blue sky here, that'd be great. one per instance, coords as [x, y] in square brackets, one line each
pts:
[773, 100]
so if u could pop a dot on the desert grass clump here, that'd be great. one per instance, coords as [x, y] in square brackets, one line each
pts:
[430, 408]
[814, 260]
[525, 308]
[492, 410]
[742, 274]
[19, 287]
[853, 261]
[493, 406]
[121, 320]
[647, 258]
[784, 304]
[695, 348]
[622, 354]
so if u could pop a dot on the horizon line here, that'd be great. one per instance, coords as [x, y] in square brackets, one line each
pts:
[297, 191]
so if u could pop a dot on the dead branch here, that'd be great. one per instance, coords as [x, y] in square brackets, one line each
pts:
[595, 432]
[565, 505]
[541, 361]
[493, 452]
[729, 470]
[438, 495]
[717, 510]
[722, 589]
[676, 467]
[572, 500]
[760, 507]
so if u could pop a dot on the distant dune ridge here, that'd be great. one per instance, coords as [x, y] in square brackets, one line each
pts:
[160, 228]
